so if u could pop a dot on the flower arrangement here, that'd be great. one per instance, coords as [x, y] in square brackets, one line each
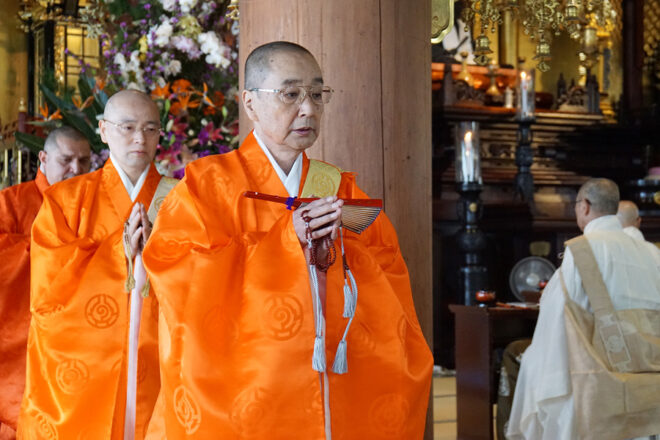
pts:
[183, 53]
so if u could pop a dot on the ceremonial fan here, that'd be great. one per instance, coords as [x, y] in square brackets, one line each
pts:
[356, 214]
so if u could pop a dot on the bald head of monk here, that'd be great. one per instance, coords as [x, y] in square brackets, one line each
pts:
[596, 198]
[284, 97]
[131, 128]
[628, 214]
[66, 154]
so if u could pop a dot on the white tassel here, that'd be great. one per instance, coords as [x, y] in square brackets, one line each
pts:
[318, 360]
[354, 293]
[340, 365]
[349, 301]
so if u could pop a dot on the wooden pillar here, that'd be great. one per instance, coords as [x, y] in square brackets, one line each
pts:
[633, 59]
[376, 55]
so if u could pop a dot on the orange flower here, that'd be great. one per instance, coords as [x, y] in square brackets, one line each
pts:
[218, 98]
[44, 112]
[100, 83]
[82, 106]
[161, 92]
[181, 86]
[182, 103]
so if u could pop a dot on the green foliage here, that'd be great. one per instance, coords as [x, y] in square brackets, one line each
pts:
[33, 143]
[65, 108]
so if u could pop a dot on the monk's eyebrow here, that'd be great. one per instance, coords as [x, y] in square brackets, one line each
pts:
[296, 81]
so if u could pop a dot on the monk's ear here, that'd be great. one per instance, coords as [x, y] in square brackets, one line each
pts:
[42, 156]
[249, 104]
[102, 130]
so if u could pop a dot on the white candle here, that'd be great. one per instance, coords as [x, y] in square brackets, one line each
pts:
[523, 95]
[468, 159]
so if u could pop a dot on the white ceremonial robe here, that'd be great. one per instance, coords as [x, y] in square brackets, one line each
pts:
[637, 235]
[543, 402]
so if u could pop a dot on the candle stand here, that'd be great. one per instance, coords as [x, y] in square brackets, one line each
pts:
[524, 181]
[473, 275]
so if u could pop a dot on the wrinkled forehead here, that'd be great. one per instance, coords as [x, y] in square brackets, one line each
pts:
[72, 147]
[293, 68]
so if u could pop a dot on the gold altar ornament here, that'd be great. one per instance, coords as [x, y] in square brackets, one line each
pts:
[464, 74]
[232, 10]
[541, 20]
[34, 12]
[442, 19]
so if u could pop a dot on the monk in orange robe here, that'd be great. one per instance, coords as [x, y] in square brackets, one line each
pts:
[66, 154]
[82, 381]
[254, 339]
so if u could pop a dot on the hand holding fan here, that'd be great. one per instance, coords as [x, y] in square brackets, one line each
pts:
[357, 214]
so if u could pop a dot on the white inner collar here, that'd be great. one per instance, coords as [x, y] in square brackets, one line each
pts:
[132, 190]
[290, 182]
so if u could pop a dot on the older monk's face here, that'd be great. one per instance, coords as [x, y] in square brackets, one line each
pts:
[70, 158]
[287, 126]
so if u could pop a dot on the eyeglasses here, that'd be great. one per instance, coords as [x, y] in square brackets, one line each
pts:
[296, 94]
[129, 129]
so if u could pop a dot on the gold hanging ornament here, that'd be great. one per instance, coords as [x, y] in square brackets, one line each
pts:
[540, 20]
[543, 55]
[232, 11]
[482, 50]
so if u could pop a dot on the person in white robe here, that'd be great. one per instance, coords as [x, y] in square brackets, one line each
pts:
[543, 406]
[628, 215]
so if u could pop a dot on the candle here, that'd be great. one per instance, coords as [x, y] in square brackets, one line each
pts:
[526, 96]
[523, 94]
[468, 158]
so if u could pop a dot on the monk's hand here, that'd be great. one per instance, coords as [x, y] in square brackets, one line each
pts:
[139, 228]
[146, 225]
[324, 217]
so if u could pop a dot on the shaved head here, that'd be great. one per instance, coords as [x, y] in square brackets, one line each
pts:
[258, 63]
[596, 198]
[66, 154]
[61, 133]
[131, 128]
[114, 105]
[628, 214]
[603, 195]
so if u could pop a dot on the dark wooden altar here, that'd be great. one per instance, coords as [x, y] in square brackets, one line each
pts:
[479, 331]
[568, 148]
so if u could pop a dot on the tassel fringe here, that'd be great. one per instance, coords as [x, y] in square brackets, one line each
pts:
[349, 301]
[318, 360]
[145, 289]
[340, 365]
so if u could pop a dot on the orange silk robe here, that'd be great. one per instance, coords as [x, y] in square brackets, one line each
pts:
[78, 341]
[238, 330]
[19, 205]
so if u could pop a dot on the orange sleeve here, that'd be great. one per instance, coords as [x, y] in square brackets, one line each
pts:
[380, 241]
[76, 365]
[14, 302]
[237, 337]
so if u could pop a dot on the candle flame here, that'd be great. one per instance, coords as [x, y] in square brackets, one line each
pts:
[468, 136]
[523, 75]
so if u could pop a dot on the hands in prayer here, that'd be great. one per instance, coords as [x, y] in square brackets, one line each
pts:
[139, 228]
[325, 219]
